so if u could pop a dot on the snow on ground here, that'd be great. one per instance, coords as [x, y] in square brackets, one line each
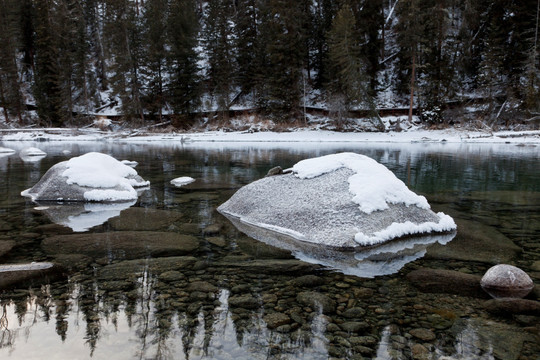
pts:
[452, 135]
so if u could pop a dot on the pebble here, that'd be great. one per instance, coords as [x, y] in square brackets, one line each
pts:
[423, 334]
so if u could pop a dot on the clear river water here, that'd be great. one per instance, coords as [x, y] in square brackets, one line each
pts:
[168, 277]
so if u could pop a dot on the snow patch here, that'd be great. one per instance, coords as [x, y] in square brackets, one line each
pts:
[373, 186]
[110, 179]
[398, 230]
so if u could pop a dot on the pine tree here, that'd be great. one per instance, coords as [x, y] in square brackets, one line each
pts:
[10, 89]
[435, 72]
[156, 12]
[491, 70]
[283, 31]
[532, 72]
[50, 101]
[369, 22]
[219, 43]
[123, 31]
[247, 43]
[27, 33]
[409, 34]
[323, 14]
[350, 84]
[93, 10]
[183, 28]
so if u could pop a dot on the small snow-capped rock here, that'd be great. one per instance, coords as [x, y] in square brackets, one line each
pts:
[130, 163]
[181, 181]
[32, 151]
[92, 177]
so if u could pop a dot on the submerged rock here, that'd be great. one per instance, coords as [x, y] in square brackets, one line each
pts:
[145, 219]
[476, 242]
[19, 274]
[122, 244]
[513, 306]
[476, 338]
[446, 281]
[343, 201]
[89, 177]
[506, 281]
[6, 246]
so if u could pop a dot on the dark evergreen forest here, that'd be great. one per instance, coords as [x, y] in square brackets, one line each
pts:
[174, 59]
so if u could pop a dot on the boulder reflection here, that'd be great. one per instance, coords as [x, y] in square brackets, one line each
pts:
[370, 262]
[81, 217]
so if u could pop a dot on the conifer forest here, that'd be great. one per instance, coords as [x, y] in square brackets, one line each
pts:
[67, 60]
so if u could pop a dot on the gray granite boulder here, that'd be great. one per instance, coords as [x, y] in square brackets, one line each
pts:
[343, 201]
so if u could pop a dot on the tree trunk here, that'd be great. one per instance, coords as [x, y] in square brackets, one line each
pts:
[411, 101]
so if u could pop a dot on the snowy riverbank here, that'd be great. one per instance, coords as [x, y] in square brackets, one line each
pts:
[415, 136]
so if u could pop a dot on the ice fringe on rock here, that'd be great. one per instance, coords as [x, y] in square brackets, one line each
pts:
[92, 177]
[342, 200]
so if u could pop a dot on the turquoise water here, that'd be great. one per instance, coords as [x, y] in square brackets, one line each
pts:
[170, 278]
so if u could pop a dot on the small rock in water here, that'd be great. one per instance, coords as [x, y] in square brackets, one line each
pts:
[506, 281]
[278, 170]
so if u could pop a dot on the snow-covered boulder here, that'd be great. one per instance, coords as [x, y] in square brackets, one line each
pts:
[92, 177]
[343, 200]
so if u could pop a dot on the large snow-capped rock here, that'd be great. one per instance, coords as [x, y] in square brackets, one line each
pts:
[342, 200]
[92, 177]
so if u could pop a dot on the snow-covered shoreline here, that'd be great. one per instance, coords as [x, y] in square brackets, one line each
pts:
[531, 137]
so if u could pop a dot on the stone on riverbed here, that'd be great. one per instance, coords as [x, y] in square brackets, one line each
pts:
[476, 242]
[6, 246]
[513, 306]
[130, 270]
[446, 281]
[89, 177]
[145, 219]
[122, 244]
[343, 200]
[506, 281]
[19, 274]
